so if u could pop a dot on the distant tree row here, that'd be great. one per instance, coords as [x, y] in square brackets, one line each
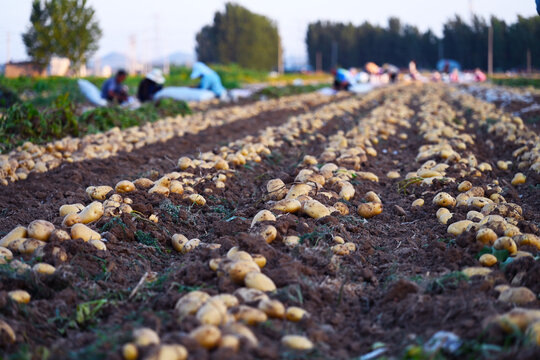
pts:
[335, 44]
[239, 36]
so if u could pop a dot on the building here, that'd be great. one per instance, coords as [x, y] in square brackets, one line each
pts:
[23, 68]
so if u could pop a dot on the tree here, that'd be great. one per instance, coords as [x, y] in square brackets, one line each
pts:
[239, 36]
[64, 28]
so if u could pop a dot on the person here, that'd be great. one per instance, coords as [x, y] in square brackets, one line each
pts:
[209, 79]
[392, 71]
[538, 6]
[454, 76]
[113, 89]
[413, 72]
[479, 75]
[150, 85]
[342, 79]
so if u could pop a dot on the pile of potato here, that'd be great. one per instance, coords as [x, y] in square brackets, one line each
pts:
[29, 157]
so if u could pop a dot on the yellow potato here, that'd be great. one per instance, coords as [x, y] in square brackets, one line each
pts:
[527, 239]
[476, 271]
[458, 227]
[20, 296]
[287, 205]
[291, 241]
[239, 269]
[29, 246]
[81, 231]
[393, 174]
[474, 215]
[295, 313]
[145, 337]
[98, 244]
[506, 243]
[176, 187]
[443, 215]
[346, 191]
[229, 341]
[5, 254]
[190, 303]
[227, 299]
[143, 183]
[191, 245]
[518, 295]
[178, 242]
[6, 333]
[59, 235]
[276, 189]
[269, 233]
[130, 352]
[259, 281]
[197, 199]
[17, 233]
[100, 192]
[486, 236]
[160, 189]
[92, 212]
[40, 230]
[259, 259]
[71, 219]
[272, 308]
[340, 249]
[296, 342]
[478, 202]
[213, 264]
[44, 268]
[207, 336]
[298, 190]
[341, 208]
[444, 199]
[517, 318]
[184, 162]
[418, 203]
[249, 315]
[263, 215]
[315, 209]
[488, 260]
[371, 196]
[339, 240]
[242, 331]
[519, 179]
[213, 312]
[503, 165]
[124, 186]
[70, 209]
[247, 295]
[370, 209]
[367, 176]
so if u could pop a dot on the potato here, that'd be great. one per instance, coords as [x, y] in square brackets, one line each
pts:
[417, 203]
[59, 235]
[249, 315]
[228, 299]
[367, 176]
[443, 215]
[81, 231]
[143, 183]
[130, 352]
[458, 227]
[371, 196]
[269, 233]
[213, 312]
[296, 342]
[100, 192]
[159, 189]
[92, 212]
[98, 244]
[260, 260]
[315, 209]
[272, 308]
[207, 336]
[213, 264]
[145, 337]
[178, 242]
[478, 202]
[247, 295]
[71, 219]
[7, 335]
[519, 179]
[5, 254]
[527, 239]
[229, 341]
[263, 215]
[475, 271]
[190, 303]
[44, 268]
[176, 187]
[29, 246]
[346, 191]
[340, 249]
[239, 269]
[70, 209]
[370, 209]
[276, 189]
[506, 243]
[517, 318]
[17, 233]
[124, 186]
[242, 331]
[295, 313]
[393, 174]
[197, 199]
[518, 296]
[486, 236]
[259, 281]
[533, 333]
[487, 260]
[444, 199]
[40, 230]
[20, 296]
[342, 208]
[298, 190]
[291, 241]
[287, 205]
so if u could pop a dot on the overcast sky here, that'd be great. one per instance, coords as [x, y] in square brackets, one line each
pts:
[161, 27]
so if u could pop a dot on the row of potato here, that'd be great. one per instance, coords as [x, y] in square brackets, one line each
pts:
[493, 221]
[110, 202]
[28, 158]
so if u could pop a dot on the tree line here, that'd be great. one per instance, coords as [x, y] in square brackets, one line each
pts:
[332, 44]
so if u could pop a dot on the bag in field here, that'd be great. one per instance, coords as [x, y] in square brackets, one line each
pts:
[91, 92]
[184, 94]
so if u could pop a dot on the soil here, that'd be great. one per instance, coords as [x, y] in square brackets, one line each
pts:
[399, 288]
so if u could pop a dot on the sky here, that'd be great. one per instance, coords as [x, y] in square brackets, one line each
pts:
[160, 27]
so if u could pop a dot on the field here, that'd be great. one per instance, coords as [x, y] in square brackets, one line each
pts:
[400, 224]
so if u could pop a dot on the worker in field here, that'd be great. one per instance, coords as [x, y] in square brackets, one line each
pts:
[343, 78]
[150, 85]
[538, 6]
[114, 90]
[209, 79]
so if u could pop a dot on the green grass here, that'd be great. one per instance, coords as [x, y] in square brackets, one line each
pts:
[517, 82]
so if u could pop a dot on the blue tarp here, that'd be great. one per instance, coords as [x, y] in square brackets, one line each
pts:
[452, 64]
